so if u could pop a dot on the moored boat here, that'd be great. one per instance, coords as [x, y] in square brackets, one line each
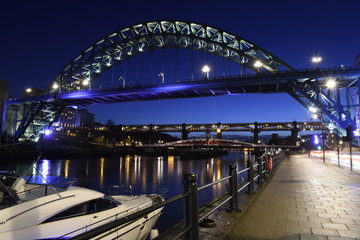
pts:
[35, 207]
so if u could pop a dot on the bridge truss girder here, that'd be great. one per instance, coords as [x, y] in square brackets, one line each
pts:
[139, 38]
[336, 114]
[28, 121]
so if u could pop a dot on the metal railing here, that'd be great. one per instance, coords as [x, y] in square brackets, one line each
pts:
[258, 169]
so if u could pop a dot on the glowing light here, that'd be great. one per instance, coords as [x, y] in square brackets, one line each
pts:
[55, 86]
[205, 69]
[331, 83]
[85, 82]
[47, 132]
[258, 64]
[316, 59]
[312, 109]
[28, 90]
[316, 139]
[315, 116]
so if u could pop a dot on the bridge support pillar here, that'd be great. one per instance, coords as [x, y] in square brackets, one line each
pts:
[256, 132]
[151, 134]
[218, 131]
[184, 132]
[294, 133]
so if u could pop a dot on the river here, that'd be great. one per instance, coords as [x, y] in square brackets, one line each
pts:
[135, 174]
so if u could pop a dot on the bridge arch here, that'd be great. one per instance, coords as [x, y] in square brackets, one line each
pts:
[139, 38]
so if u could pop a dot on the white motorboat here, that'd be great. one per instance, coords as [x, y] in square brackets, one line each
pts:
[58, 210]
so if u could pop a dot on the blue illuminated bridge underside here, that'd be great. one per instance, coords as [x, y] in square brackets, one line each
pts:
[279, 82]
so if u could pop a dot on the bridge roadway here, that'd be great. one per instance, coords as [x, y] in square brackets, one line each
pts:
[306, 199]
[264, 82]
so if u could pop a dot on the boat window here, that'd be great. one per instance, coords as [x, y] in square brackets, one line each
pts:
[76, 211]
[105, 203]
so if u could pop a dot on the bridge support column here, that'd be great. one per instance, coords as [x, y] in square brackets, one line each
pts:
[184, 132]
[151, 134]
[218, 131]
[256, 132]
[294, 133]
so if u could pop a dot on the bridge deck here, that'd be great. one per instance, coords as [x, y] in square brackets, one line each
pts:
[305, 199]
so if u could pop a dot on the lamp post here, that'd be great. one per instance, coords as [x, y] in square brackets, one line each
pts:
[162, 75]
[316, 60]
[206, 70]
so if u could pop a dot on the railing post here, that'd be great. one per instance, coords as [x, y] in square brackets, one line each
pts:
[234, 202]
[251, 188]
[191, 206]
[260, 170]
[266, 165]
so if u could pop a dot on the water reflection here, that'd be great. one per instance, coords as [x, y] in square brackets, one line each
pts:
[143, 174]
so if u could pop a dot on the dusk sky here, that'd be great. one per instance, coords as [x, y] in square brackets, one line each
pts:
[39, 38]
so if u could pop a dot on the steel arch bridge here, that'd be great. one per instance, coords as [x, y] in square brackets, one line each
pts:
[143, 37]
[79, 83]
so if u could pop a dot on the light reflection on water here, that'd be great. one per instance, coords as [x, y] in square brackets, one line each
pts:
[144, 174]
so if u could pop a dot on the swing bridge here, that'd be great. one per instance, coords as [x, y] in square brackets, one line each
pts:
[112, 70]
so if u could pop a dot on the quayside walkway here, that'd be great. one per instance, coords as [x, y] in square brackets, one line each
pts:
[305, 199]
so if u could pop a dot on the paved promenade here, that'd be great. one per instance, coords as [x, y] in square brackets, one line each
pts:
[306, 199]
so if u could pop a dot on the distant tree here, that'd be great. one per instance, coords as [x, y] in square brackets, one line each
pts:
[110, 122]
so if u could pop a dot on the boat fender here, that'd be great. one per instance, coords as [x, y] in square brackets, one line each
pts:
[154, 233]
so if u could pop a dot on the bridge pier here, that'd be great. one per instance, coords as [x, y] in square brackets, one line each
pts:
[151, 134]
[256, 132]
[294, 133]
[218, 131]
[184, 132]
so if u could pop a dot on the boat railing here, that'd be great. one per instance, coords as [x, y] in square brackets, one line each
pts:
[257, 171]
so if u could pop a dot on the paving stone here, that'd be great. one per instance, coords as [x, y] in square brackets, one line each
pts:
[324, 232]
[304, 200]
[334, 226]
[349, 233]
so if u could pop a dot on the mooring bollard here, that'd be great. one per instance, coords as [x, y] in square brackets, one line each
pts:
[234, 202]
[191, 206]
[251, 188]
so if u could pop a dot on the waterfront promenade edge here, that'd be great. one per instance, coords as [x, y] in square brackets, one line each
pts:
[305, 199]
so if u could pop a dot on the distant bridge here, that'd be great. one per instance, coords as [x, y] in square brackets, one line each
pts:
[83, 81]
[293, 127]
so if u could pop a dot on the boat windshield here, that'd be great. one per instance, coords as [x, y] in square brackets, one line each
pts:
[15, 189]
[55, 181]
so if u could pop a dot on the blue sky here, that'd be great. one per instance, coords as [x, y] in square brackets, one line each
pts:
[38, 38]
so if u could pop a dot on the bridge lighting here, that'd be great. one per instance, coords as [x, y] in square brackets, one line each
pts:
[28, 90]
[55, 86]
[258, 64]
[206, 70]
[316, 59]
[312, 109]
[85, 82]
[162, 75]
[331, 83]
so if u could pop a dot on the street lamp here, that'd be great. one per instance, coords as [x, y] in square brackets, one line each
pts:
[206, 70]
[162, 75]
[316, 60]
